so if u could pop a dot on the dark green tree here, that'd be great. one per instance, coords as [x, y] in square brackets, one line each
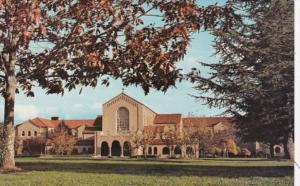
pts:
[254, 78]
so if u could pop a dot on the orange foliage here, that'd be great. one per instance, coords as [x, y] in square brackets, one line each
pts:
[61, 142]
[246, 152]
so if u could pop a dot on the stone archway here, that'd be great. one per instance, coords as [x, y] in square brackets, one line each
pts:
[115, 148]
[104, 149]
[126, 149]
[166, 151]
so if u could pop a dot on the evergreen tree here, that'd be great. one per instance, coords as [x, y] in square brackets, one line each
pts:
[254, 79]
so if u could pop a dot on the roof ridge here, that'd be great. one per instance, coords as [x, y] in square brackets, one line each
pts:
[39, 119]
[122, 93]
[138, 101]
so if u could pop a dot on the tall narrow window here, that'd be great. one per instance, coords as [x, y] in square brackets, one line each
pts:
[122, 119]
[23, 133]
[29, 133]
[35, 133]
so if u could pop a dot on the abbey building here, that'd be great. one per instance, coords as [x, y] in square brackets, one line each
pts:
[126, 128]
[123, 117]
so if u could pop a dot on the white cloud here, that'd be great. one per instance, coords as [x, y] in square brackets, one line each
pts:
[24, 112]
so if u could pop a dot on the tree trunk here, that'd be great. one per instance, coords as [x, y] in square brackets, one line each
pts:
[7, 156]
[289, 147]
[172, 151]
[145, 151]
[272, 150]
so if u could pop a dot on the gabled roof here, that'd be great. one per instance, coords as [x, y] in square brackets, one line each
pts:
[42, 122]
[206, 121]
[73, 124]
[167, 118]
[123, 94]
[152, 128]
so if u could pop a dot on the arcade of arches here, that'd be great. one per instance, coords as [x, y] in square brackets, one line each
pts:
[124, 149]
[115, 149]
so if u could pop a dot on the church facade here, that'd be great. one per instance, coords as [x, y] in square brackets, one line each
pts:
[123, 117]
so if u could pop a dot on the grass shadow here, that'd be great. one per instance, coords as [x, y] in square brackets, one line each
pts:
[158, 169]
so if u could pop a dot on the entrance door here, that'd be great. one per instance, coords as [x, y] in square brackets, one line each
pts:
[116, 148]
[104, 149]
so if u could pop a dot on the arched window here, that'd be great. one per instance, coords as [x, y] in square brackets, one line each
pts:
[123, 119]
[23, 133]
[149, 150]
[35, 133]
[155, 150]
[166, 151]
[29, 133]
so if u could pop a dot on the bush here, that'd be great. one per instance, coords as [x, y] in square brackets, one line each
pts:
[232, 147]
[261, 155]
[246, 152]
[151, 156]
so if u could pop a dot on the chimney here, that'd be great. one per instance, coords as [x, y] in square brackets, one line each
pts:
[54, 118]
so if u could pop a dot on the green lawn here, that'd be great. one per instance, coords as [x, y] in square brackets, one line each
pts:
[85, 171]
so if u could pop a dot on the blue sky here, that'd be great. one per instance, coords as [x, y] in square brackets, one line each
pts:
[88, 104]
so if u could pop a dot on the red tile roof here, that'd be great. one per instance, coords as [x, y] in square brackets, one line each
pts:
[42, 122]
[206, 121]
[152, 128]
[167, 118]
[72, 124]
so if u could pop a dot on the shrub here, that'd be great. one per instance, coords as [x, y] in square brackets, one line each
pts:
[246, 152]
[232, 148]
[261, 154]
